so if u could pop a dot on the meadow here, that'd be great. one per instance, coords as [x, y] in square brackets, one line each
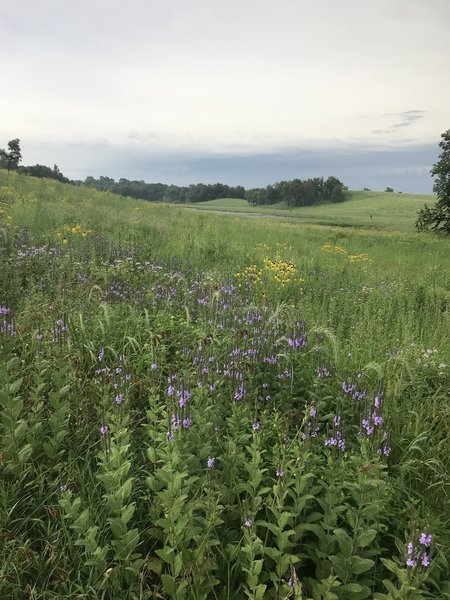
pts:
[197, 405]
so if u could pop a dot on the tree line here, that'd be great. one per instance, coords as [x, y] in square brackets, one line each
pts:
[295, 192]
[298, 192]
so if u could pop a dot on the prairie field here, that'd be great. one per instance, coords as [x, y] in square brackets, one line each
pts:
[197, 405]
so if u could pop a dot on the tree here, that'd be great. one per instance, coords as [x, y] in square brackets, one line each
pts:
[11, 159]
[437, 217]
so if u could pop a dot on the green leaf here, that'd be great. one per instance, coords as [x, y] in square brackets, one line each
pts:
[366, 537]
[166, 554]
[169, 583]
[361, 565]
[15, 386]
[344, 541]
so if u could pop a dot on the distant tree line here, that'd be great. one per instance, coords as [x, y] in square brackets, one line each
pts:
[295, 192]
[298, 192]
[162, 192]
[43, 171]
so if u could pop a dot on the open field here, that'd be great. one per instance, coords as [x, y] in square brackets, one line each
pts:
[373, 210]
[199, 405]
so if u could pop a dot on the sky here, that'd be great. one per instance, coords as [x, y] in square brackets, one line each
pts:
[245, 92]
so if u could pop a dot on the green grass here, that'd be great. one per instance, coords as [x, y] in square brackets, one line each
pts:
[168, 291]
[391, 211]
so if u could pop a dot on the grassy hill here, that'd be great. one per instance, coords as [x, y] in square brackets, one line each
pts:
[374, 210]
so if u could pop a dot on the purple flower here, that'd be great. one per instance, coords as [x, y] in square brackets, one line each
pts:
[104, 429]
[256, 426]
[313, 411]
[279, 473]
[210, 462]
[119, 399]
[187, 423]
[170, 390]
[425, 560]
[248, 522]
[411, 562]
[183, 397]
[425, 539]
[153, 366]
[170, 436]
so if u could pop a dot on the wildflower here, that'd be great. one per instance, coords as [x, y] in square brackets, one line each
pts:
[313, 411]
[248, 522]
[279, 473]
[119, 399]
[153, 366]
[331, 442]
[187, 423]
[210, 462]
[425, 560]
[411, 562]
[256, 426]
[183, 397]
[104, 429]
[425, 539]
[170, 436]
[63, 488]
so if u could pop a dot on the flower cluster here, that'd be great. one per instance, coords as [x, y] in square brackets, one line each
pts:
[281, 270]
[250, 275]
[6, 325]
[68, 231]
[363, 257]
[336, 439]
[418, 551]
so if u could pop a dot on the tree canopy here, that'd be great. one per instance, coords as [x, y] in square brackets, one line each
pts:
[11, 158]
[437, 217]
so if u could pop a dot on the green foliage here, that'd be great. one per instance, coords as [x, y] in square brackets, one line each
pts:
[169, 428]
[437, 217]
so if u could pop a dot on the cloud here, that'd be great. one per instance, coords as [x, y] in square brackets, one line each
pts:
[405, 168]
[409, 117]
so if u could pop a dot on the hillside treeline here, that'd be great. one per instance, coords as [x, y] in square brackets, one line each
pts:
[162, 192]
[297, 192]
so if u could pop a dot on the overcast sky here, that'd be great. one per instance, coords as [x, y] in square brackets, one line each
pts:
[239, 91]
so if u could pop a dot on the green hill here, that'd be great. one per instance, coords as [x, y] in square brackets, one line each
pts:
[365, 209]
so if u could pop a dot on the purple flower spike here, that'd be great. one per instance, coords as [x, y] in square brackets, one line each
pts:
[104, 429]
[210, 462]
[426, 539]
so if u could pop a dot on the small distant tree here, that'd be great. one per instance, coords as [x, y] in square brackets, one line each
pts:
[12, 158]
[389, 189]
[437, 217]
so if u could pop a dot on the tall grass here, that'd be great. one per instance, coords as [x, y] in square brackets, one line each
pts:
[211, 406]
